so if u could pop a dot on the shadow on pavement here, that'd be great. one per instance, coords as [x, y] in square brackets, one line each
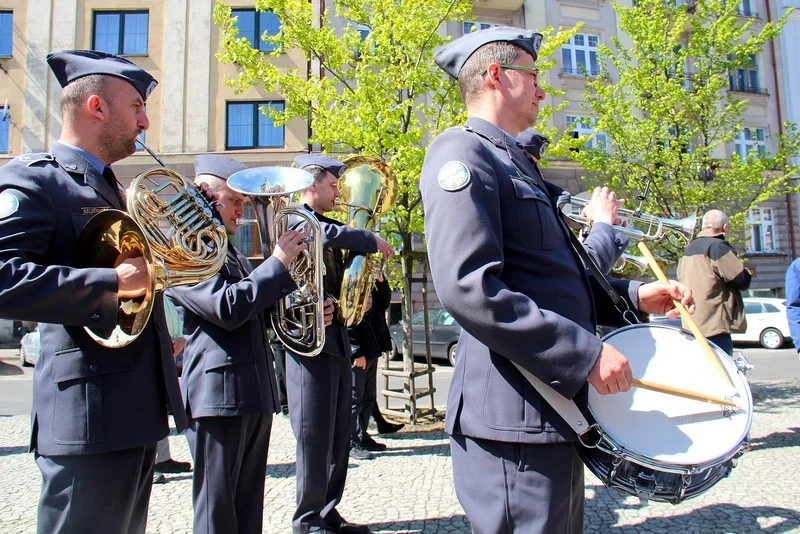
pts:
[454, 523]
[724, 517]
[286, 470]
[10, 369]
[788, 438]
[774, 396]
[8, 451]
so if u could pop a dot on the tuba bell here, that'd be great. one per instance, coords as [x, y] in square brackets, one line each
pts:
[299, 319]
[368, 191]
[172, 226]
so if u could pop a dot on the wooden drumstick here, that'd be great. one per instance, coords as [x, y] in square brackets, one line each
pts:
[687, 317]
[685, 393]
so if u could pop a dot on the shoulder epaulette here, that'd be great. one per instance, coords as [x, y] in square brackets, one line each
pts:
[36, 157]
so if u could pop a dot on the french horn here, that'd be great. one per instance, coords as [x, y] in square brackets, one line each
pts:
[172, 226]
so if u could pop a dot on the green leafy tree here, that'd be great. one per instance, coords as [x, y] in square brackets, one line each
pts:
[665, 107]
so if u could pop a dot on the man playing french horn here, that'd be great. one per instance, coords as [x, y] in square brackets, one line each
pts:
[319, 387]
[228, 386]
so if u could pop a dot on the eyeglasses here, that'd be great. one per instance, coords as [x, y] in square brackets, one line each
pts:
[534, 70]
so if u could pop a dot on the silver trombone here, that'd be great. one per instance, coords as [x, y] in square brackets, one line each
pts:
[639, 226]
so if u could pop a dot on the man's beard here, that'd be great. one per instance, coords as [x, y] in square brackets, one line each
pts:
[116, 145]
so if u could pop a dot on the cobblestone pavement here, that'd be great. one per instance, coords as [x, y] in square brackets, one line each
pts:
[408, 488]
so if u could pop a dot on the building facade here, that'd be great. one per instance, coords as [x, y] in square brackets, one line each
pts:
[192, 111]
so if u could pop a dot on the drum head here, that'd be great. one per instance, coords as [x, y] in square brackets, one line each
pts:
[665, 429]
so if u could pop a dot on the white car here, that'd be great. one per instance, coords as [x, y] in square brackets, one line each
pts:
[29, 346]
[766, 322]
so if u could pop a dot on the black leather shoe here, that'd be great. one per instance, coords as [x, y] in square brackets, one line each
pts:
[159, 478]
[372, 445]
[390, 428]
[172, 466]
[357, 452]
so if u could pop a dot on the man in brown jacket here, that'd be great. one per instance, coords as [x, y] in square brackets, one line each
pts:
[716, 276]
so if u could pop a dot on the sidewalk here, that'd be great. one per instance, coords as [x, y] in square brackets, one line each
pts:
[408, 488]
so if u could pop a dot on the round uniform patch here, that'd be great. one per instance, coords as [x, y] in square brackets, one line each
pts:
[9, 204]
[453, 176]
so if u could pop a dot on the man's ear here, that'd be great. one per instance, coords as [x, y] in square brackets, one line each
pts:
[96, 106]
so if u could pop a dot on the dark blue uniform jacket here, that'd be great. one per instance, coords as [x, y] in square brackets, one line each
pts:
[86, 398]
[228, 365]
[503, 266]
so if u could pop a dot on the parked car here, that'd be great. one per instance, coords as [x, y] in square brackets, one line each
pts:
[444, 334]
[766, 322]
[29, 346]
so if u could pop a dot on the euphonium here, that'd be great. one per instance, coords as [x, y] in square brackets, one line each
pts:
[299, 319]
[172, 226]
[368, 190]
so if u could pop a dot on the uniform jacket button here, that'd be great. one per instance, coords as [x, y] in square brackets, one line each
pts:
[93, 368]
[555, 383]
[284, 290]
[230, 358]
[95, 317]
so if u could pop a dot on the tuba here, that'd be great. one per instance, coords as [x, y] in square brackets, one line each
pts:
[368, 191]
[299, 319]
[172, 226]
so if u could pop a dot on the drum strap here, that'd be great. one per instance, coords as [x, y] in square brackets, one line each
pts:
[565, 407]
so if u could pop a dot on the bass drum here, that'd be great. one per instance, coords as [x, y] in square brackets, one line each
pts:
[658, 446]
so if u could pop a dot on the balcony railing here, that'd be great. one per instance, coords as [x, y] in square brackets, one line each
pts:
[749, 13]
[747, 88]
[581, 73]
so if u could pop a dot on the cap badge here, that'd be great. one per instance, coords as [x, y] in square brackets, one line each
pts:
[150, 89]
[9, 204]
[453, 176]
[537, 42]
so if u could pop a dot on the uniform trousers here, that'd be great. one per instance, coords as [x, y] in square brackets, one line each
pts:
[364, 395]
[106, 492]
[516, 487]
[319, 391]
[230, 461]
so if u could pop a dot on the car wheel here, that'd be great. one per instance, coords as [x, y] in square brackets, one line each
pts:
[396, 354]
[451, 354]
[771, 339]
[23, 361]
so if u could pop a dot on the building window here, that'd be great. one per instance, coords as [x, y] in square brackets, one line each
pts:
[121, 32]
[6, 32]
[474, 26]
[579, 56]
[246, 239]
[751, 141]
[4, 122]
[747, 9]
[745, 79]
[761, 222]
[253, 24]
[585, 126]
[249, 127]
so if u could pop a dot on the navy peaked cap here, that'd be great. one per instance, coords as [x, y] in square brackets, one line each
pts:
[533, 142]
[452, 56]
[69, 65]
[217, 165]
[332, 165]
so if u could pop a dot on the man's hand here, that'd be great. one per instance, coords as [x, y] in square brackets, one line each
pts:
[384, 246]
[361, 362]
[603, 206]
[611, 372]
[290, 244]
[657, 297]
[328, 311]
[133, 279]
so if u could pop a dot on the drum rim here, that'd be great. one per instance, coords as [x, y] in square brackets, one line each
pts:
[624, 452]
